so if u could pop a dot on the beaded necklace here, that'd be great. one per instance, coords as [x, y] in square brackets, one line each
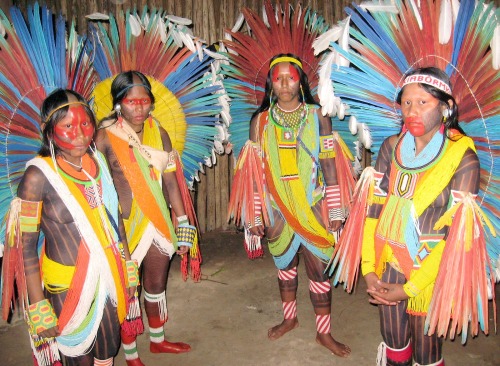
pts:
[292, 120]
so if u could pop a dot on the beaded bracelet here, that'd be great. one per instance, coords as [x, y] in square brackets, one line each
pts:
[42, 316]
[132, 273]
[186, 235]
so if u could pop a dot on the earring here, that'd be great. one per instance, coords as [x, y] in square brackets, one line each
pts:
[118, 110]
[53, 155]
[271, 97]
[446, 113]
[150, 119]
[302, 92]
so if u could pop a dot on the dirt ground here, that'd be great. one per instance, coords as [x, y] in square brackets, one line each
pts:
[225, 318]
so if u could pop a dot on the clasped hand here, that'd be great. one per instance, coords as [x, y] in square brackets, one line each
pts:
[384, 293]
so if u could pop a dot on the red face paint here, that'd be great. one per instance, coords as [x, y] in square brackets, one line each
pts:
[136, 101]
[415, 126]
[294, 74]
[75, 130]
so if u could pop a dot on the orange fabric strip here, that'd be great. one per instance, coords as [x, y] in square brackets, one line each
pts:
[138, 185]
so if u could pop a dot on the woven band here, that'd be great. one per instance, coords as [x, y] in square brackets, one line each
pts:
[429, 80]
[285, 59]
[30, 216]
[42, 316]
[186, 235]
[132, 273]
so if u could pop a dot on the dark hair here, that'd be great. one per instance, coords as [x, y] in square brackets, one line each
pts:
[444, 98]
[304, 83]
[49, 118]
[124, 81]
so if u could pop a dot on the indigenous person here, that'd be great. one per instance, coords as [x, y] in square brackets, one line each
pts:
[419, 174]
[143, 166]
[78, 294]
[296, 144]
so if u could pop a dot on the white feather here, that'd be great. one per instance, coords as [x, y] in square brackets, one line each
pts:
[343, 42]
[455, 6]
[214, 157]
[385, 8]
[264, 17]
[322, 42]
[202, 167]
[135, 25]
[353, 125]
[215, 55]
[162, 29]
[239, 23]
[218, 147]
[445, 22]
[199, 49]
[495, 48]
[226, 118]
[175, 34]
[208, 161]
[365, 136]
[97, 16]
[221, 133]
[228, 148]
[416, 12]
[341, 111]
[179, 20]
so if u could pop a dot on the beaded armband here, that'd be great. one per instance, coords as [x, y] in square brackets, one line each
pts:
[326, 147]
[333, 203]
[132, 273]
[186, 235]
[30, 216]
[41, 316]
[171, 166]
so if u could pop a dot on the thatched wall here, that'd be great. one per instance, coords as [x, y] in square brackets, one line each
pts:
[210, 18]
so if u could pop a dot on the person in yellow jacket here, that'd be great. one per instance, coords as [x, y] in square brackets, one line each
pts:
[419, 174]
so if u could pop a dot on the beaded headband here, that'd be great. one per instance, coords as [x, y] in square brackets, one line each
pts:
[62, 106]
[429, 80]
[131, 86]
[286, 59]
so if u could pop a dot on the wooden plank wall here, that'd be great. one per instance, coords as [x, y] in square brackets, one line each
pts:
[210, 19]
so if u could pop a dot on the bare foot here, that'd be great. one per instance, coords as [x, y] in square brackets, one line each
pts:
[281, 329]
[337, 348]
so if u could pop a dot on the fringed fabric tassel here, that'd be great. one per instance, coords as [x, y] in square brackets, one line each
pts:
[249, 188]
[345, 173]
[133, 325]
[13, 263]
[347, 254]
[253, 245]
[45, 351]
[191, 263]
[461, 287]
[248, 183]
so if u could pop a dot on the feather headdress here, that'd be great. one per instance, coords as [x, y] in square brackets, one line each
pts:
[186, 90]
[282, 29]
[389, 40]
[36, 57]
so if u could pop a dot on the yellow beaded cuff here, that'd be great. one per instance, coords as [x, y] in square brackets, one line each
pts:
[186, 235]
[132, 273]
[41, 316]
